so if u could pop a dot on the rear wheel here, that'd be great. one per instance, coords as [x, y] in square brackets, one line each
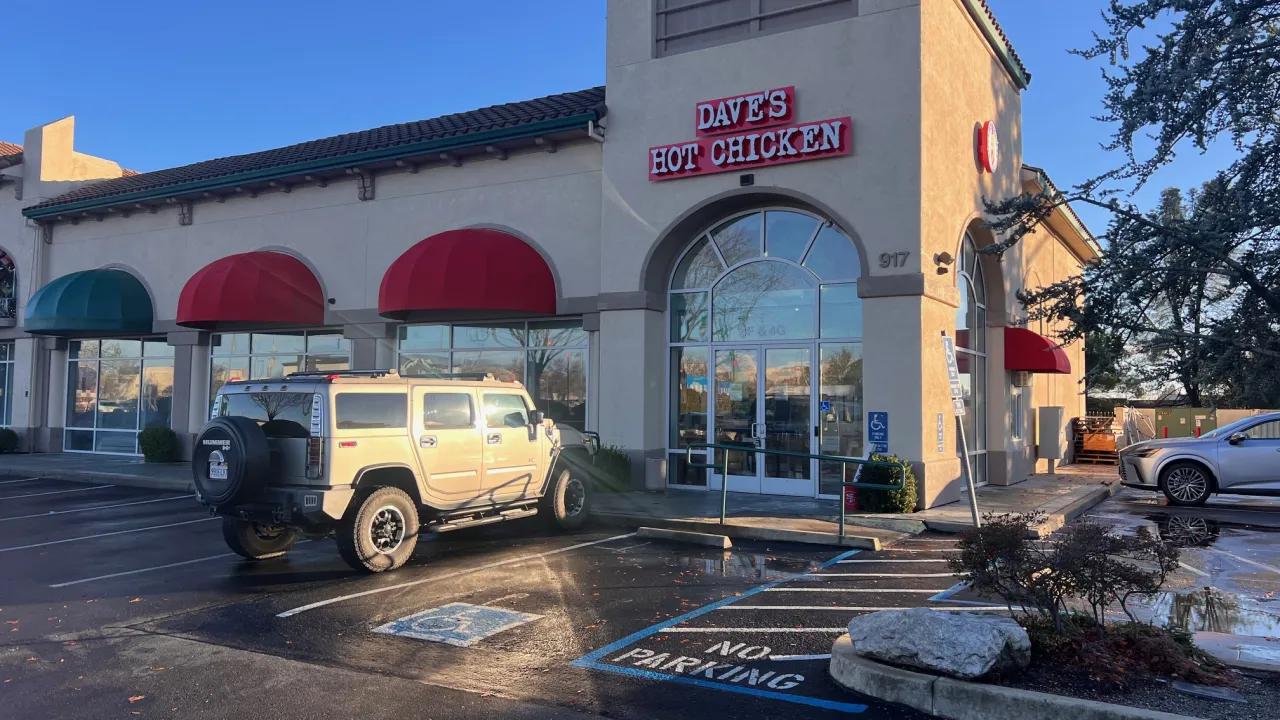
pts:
[1186, 483]
[256, 541]
[380, 532]
[568, 500]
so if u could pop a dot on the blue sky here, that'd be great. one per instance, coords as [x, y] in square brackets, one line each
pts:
[157, 83]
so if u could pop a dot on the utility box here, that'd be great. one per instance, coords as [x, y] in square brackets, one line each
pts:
[1049, 438]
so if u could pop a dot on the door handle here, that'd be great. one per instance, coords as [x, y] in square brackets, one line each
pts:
[495, 438]
[755, 430]
[427, 441]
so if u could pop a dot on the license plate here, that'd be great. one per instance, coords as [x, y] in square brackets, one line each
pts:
[218, 471]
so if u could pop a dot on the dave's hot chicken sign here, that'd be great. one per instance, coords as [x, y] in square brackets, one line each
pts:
[750, 131]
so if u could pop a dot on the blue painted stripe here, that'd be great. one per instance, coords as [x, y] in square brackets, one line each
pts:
[946, 594]
[592, 657]
[798, 699]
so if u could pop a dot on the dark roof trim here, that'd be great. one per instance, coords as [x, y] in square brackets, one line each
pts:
[986, 20]
[534, 129]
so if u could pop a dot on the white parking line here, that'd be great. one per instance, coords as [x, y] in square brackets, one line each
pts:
[1195, 570]
[149, 569]
[142, 570]
[934, 591]
[95, 507]
[55, 492]
[785, 658]
[853, 609]
[446, 576]
[10, 482]
[1247, 561]
[852, 562]
[885, 575]
[101, 535]
[756, 630]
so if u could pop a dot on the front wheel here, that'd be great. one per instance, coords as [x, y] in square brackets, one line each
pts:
[568, 500]
[1186, 484]
[380, 533]
[256, 541]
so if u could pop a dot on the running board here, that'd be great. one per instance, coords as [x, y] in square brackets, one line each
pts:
[514, 514]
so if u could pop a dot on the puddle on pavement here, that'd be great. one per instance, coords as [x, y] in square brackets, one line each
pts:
[1209, 610]
[753, 566]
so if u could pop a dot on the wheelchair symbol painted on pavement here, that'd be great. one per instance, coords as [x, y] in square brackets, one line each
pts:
[458, 624]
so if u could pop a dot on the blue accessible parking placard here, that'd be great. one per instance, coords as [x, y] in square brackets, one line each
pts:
[458, 624]
[878, 431]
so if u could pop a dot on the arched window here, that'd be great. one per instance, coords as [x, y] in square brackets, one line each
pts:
[971, 356]
[756, 302]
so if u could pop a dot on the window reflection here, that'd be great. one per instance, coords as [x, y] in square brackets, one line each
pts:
[840, 413]
[764, 301]
[738, 239]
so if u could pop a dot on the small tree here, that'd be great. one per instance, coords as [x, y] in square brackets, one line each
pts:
[1085, 561]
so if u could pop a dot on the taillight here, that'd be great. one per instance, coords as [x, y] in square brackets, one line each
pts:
[315, 443]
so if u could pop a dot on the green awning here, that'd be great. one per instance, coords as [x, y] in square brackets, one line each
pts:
[90, 303]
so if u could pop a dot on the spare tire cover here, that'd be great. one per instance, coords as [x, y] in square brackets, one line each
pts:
[230, 460]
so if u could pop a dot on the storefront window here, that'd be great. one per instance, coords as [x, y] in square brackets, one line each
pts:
[548, 356]
[261, 356]
[971, 360]
[777, 287]
[115, 388]
[6, 383]
[8, 288]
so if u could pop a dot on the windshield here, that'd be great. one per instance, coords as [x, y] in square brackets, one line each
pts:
[1226, 430]
[281, 414]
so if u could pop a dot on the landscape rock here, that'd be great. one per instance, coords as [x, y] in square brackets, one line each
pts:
[959, 644]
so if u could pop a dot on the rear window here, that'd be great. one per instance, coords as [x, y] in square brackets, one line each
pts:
[372, 411]
[281, 414]
[441, 411]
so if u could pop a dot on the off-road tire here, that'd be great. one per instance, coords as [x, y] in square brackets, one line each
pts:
[257, 542]
[568, 500]
[1186, 484]
[384, 506]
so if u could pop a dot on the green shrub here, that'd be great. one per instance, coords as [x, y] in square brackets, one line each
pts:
[159, 444]
[612, 469]
[887, 501]
[8, 440]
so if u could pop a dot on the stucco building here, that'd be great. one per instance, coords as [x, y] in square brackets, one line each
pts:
[758, 228]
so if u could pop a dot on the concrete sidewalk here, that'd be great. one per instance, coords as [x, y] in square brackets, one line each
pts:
[1061, 496]
[106, 469]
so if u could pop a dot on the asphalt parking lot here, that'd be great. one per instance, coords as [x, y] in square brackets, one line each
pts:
[122, 602]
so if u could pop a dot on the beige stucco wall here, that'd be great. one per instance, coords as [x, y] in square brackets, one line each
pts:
[865, 67]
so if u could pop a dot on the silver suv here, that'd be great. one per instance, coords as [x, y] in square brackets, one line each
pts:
[1242, 458]
[375, 459]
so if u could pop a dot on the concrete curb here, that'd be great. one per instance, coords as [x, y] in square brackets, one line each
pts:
[739, 532]
[1057, 517]
[693, 538]
[959, 700]
[902, 525]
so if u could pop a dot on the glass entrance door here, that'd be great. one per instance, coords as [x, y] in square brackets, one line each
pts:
[787, 420]
[736, 418]
[764, 399]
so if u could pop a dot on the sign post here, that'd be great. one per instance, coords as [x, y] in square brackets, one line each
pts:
[957, 404]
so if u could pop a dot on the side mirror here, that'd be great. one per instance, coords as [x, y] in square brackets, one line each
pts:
[592, 441]
[535, 417]
[1237, 438]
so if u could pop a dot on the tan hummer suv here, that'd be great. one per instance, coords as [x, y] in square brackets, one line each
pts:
[375, 459]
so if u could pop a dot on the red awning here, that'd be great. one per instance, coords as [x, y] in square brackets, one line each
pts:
[468, 270]
[255, 288]
[1028, 351]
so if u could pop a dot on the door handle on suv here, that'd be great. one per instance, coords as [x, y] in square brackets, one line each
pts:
[427, 441]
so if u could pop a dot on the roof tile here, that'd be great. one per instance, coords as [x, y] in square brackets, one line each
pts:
[447, 126]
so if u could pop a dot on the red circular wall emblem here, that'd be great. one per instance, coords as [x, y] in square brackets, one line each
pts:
[989, 146]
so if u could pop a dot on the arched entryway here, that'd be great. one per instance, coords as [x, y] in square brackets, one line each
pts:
[971, 355]
[757, 302]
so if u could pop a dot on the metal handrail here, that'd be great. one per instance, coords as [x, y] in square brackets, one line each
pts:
[723, 468]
